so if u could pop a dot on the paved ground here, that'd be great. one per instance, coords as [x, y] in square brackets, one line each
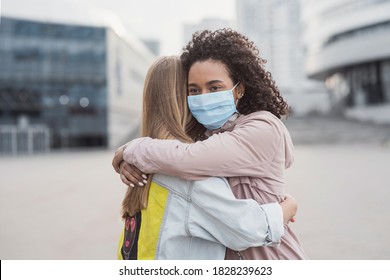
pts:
[343, 193]
[66, 205]
[341, 179]
[59, 206]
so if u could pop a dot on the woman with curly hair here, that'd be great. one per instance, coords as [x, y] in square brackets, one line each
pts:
[239, 107]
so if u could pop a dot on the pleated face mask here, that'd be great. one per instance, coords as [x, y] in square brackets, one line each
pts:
[213, 109]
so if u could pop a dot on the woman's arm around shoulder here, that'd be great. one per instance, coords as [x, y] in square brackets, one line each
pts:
[247, 150]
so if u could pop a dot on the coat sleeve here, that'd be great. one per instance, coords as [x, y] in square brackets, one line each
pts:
[246, 151]
[215, 214]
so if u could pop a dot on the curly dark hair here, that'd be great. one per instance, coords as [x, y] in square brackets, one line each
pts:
[244, 65]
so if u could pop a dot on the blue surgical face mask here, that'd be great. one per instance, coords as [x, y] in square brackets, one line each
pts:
[214, 109]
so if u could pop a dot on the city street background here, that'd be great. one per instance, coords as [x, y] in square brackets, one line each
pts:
[66, 205]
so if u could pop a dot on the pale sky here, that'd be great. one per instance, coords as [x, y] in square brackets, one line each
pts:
[157, 19]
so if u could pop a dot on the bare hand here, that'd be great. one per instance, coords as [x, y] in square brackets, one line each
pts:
[290, 208]
[131, 175]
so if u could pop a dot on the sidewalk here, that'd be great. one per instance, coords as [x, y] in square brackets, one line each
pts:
[59, 206]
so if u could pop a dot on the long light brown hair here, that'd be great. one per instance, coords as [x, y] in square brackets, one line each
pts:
[165, 116]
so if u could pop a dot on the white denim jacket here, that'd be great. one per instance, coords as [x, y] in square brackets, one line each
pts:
[198, 219]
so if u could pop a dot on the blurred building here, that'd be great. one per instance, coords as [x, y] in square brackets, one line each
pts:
[348, 46]
[153, 45]
[83, 82]
[274, 26]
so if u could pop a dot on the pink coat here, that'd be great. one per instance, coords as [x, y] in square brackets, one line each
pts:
[253, 151]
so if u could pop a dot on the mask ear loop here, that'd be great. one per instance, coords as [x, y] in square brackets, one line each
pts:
[238, 99]
[236, 85]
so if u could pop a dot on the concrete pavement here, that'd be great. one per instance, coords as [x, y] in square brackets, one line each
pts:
[59, 206]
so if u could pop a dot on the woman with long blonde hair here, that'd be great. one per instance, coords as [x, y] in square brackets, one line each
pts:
[164, 116]
[174, 218]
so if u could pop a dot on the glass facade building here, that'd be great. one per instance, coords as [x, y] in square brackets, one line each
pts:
[72, 78]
